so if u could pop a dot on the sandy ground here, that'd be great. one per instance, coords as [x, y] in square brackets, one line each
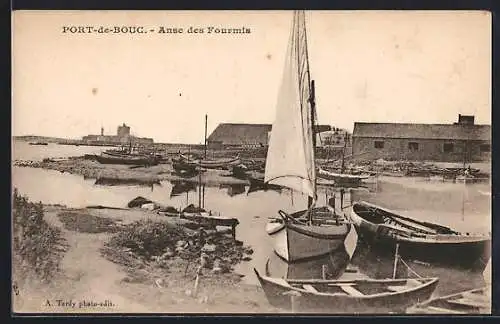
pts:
[87, 277]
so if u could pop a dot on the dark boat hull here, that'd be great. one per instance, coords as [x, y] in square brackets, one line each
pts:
[277, 295]
[456, 250]
[112, 159]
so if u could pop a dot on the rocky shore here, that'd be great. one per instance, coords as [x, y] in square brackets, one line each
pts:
[108, 174]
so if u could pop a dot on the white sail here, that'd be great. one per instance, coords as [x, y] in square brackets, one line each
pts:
[290, 157]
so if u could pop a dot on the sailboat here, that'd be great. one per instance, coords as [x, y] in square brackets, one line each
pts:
[290, 161]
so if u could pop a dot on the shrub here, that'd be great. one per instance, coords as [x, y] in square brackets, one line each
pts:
[35, 243]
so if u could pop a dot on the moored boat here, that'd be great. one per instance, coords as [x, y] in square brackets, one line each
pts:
[200, 215]
[474, 301]
[39, 143]
[222, 163]
[295, 239]
[342, 178]
[105, 158]
[347, 296]
[418, 240]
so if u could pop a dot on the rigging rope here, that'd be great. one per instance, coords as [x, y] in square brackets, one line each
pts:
[411, 270]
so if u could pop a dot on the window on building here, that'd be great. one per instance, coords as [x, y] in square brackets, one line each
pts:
[413, 146]
[448, 147]
[379, 144]
[484, 148]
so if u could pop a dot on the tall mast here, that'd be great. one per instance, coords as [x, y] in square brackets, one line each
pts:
[343, 154]
[312, 102]
[206, 120]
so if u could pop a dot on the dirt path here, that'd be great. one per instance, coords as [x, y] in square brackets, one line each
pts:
[86, 278]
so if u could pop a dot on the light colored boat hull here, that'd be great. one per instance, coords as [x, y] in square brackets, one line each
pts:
[293, 246]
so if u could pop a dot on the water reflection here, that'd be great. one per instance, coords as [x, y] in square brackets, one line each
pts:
[234, 189]
[181, 187]
[126, 182]
[330, 266]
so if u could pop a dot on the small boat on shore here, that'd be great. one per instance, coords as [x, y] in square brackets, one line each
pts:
[474, 301]
[39, 143]
[418, 240]
[346, 296]
[106, 158]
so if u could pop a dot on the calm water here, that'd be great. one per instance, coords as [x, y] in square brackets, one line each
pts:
[464, 207]
[23, 151]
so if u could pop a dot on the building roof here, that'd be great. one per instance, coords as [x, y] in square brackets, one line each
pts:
[244, 134]
[237, 134]
[422, 131]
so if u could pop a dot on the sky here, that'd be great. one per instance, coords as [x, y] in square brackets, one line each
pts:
[373, 66]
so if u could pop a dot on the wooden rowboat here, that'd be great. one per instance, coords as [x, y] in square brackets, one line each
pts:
[382, 229]
[342, 178]
[105, 158]
[347, 296]
[475, 301]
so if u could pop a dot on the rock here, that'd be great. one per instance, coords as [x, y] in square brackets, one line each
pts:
[246, 258]
[217, 266]
[248, 250]
[209, 248]
[148, 206]
[138, 201]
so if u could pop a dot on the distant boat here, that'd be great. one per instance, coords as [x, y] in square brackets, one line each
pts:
[347, 296]
[474, 301]
[342, 178]
[223, 163]
[39, 143]
[423, 241]
[106, 158]
[290, 160]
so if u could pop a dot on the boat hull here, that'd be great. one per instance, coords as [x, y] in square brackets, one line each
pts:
[475, 301]
[450, 250]
[112, 159]
[301, 242]
[277, 289]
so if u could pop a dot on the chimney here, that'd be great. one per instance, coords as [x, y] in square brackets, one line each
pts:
[102, 131]
[465, 119]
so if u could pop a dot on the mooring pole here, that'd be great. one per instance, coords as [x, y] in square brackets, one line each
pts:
[396, 256]
[206, 121]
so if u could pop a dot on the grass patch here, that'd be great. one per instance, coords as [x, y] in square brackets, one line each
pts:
[37, 247]
[86, 223]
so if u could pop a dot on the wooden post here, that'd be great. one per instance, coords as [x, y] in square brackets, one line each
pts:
[294, 299]
[396, 256]
[233, 230]
[323, 271]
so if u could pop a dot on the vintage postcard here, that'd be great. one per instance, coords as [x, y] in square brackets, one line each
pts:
[333, 162]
